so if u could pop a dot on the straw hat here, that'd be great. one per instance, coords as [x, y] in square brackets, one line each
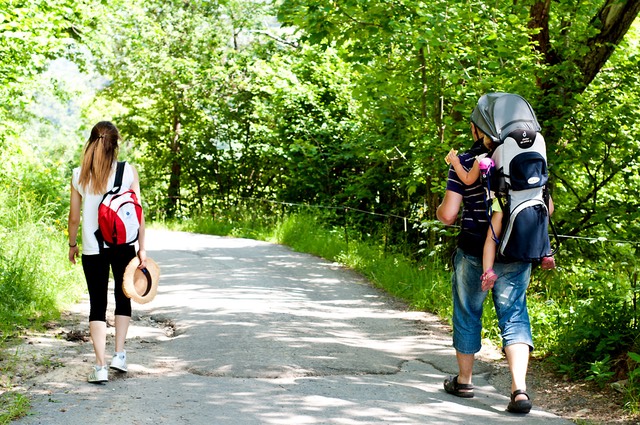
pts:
[141, 285]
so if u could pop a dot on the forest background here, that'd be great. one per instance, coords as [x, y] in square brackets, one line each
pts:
[323, 125]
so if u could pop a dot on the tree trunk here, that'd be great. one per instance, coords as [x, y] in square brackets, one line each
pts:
[613, 21]
[176, 169]
[539, 18]
[423, 80]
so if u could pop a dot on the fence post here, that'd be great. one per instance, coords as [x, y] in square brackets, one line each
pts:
[346, 231]
[634, 285]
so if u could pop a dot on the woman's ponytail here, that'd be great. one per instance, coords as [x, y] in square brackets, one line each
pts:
[100, 152]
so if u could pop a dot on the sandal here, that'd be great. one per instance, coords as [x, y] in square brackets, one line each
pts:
[519, 406]
[452, 386]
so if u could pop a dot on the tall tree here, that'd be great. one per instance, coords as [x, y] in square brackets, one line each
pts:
[576, 40]
[424, 65]
[164, 61]
[31, 35]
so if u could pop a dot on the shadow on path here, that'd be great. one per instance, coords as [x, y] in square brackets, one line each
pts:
[247, 332]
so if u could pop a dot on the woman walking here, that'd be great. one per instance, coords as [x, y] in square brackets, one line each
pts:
[89, 183]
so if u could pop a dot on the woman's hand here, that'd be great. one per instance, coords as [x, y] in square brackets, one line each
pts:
[142, 256]
[74, 252]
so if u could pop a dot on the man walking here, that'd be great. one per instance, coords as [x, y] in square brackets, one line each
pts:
[509, 291]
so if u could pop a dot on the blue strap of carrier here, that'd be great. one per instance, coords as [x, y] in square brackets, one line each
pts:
[547, 197]
[489, 209]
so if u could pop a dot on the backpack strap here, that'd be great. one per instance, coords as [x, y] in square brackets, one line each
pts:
[547, 197]
[117, 183]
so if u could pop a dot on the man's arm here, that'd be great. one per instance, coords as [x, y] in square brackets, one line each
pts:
[447, 211]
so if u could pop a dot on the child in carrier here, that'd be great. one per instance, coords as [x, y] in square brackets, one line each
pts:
[489, 277]
[482, 165]
[471, 176]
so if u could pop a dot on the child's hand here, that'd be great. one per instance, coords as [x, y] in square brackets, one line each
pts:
[488, 279]
[452, 158]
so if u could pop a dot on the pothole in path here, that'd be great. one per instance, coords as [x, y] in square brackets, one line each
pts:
[292, 371]
[163, 323]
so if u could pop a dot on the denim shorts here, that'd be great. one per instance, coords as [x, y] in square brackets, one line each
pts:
[509, 299]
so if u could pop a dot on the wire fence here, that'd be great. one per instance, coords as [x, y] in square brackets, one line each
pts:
[590, 239]
[406, 219]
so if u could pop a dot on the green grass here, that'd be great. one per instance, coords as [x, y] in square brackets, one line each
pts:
[37, 282]
[13, 405]
[36, 278]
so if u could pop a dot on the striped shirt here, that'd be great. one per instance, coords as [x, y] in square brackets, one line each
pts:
[474, 223]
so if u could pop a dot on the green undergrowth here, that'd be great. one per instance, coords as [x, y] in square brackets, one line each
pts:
[37, 282]
[36, 278]
[13, 405]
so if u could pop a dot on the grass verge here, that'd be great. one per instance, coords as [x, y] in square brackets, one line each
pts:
[36, 283]
[13, 405]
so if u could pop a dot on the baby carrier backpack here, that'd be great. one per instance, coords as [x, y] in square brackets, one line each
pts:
[119, 214]
[520, 177]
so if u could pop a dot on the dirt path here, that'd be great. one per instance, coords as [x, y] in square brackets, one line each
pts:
[246, 332]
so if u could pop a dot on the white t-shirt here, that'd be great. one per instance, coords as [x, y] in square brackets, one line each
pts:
[90, 203]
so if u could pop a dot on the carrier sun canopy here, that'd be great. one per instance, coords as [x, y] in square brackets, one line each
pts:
[498, 114]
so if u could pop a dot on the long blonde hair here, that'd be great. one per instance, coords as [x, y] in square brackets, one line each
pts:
[100, 151]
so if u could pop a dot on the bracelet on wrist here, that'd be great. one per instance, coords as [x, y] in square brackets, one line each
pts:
[74, 245]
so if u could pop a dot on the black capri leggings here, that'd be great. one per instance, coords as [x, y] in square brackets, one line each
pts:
[96, 272]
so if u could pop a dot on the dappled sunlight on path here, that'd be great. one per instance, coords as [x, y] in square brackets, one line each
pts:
[247, 332]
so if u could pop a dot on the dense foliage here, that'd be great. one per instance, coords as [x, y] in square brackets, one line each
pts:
[347, 107]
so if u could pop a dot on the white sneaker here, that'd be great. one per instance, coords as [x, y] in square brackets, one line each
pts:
[119, 362]
[99, 375]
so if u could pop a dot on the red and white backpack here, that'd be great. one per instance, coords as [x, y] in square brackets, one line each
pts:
[119, 214]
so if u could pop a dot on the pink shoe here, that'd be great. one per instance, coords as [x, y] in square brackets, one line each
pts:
[548, 263]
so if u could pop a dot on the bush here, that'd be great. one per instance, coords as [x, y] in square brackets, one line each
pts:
[36, 279]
